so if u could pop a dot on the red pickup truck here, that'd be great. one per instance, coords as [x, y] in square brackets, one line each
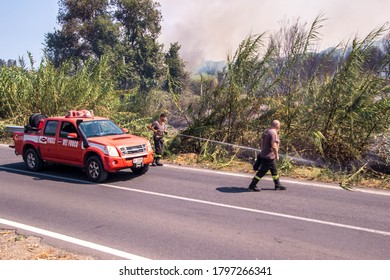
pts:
[95, 144]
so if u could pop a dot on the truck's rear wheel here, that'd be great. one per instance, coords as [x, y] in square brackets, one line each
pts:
[95, 170]
[32, 160]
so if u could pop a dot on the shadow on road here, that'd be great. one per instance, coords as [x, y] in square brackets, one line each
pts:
[63, 173]
[232, 189]
[239, 189]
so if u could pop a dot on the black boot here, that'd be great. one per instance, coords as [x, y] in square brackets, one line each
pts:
[252, 186]
[158, 162]
[278, 186]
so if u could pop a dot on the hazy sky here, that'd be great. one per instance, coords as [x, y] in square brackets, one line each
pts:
[23, 24]
[210, 29]
[206, 29]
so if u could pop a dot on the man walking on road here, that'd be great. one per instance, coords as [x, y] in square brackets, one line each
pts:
[268, 156]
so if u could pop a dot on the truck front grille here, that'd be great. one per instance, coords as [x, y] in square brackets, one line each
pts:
[133, 149]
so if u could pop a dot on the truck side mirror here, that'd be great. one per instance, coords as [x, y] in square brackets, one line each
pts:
[72, 135]
[125, 130]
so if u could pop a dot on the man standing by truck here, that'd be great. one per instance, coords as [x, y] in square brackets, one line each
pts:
[159, 130]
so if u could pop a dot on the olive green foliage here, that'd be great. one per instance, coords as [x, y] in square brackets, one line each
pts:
[355, 102]
[177, 77]
[330, 104]
[9, 63]
[86, 31]
[133, 122]
[52, 91]
[125, 30]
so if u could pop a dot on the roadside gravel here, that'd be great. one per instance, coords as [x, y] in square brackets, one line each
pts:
[14, 246]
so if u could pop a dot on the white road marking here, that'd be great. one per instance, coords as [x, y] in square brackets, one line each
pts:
[72, 240]
[131, 256]
[384, 233]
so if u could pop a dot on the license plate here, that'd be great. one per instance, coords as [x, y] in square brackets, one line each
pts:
[138, 161]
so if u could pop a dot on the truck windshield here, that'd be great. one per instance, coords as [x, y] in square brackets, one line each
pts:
[99, 128]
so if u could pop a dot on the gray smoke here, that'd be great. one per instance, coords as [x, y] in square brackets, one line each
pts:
[212, 29]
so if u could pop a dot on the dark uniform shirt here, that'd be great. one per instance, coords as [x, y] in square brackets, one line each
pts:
[270, 135]
[160, 127]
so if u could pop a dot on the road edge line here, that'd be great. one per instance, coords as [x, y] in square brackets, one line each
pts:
[73, 240]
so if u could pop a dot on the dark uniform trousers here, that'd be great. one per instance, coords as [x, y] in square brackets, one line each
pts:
[158, 146]
[265, 165]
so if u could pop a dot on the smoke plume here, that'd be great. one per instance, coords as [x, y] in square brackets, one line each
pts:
[212, 29]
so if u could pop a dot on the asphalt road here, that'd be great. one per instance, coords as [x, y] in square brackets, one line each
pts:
[173, 212]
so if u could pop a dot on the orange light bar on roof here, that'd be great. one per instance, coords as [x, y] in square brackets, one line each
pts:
[80, 114]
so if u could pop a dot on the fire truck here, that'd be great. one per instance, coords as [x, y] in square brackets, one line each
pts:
[95, 144]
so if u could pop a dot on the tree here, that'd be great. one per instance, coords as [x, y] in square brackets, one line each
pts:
[8, 63]
[140, 22]
[177, 76]
[87, 31]
[127, 30]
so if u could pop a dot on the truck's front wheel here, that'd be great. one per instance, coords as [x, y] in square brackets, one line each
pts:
[140, 170]
[32, 160]
[95, 170]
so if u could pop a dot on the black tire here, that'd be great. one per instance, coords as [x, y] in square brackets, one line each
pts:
[33, 160]
[95, 170]
[140, 170]
[35, 119]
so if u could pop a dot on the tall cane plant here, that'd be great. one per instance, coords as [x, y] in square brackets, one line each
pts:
[51, 91]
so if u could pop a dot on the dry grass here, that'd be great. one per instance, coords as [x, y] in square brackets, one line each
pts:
[14, 246]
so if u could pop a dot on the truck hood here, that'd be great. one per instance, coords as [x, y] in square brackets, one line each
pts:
[118, 140]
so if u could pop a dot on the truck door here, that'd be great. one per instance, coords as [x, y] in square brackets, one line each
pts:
[47, 142]
[69, 145]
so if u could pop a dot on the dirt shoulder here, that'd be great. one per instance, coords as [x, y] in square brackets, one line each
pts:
[14, 246]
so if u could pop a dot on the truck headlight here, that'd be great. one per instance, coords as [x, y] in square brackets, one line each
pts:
[148, 146]
[111, 151]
